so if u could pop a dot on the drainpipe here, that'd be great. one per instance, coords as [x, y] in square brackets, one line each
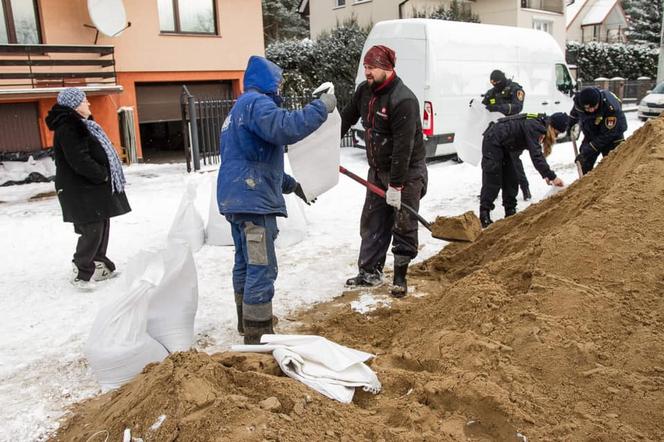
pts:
[401, 6]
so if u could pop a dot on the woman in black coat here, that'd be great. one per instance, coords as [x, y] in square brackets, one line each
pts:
[89, 183]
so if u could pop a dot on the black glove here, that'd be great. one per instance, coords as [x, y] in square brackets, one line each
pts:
[580, 158]
[300, 193]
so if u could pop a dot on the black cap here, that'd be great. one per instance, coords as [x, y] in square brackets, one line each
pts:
[589, 96]
[498, 76]
[559, 121]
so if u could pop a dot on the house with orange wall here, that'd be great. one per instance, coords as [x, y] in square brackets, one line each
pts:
[50, 44]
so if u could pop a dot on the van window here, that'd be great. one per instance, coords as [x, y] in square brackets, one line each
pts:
[564, 82]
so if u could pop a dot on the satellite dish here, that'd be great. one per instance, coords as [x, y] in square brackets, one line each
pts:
[108, 16]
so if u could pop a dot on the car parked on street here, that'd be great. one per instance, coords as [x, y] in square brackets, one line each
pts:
[652, 105]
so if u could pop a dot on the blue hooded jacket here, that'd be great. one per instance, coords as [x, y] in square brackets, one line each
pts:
[251, 176]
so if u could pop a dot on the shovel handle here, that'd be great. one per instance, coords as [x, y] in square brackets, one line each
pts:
[381, 193]
[576, 154]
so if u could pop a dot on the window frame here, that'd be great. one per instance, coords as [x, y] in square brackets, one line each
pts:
[338, 4]
[10, 26]
[177, 25]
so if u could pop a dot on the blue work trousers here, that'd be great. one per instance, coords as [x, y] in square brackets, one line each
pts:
[255, 268]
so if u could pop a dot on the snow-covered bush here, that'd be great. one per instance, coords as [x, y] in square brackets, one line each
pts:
[609, 60]
[333, 57]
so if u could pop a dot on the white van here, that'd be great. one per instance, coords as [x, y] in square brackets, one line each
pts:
[447, 63]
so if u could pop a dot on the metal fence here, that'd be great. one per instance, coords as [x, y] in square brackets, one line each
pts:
[202, 119]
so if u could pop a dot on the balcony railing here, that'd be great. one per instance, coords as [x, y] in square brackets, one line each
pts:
[42, 66]
[544, 5]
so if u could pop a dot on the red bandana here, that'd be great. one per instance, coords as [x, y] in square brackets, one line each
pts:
[380, 56]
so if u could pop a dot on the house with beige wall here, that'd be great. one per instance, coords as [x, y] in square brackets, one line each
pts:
[46, 45]
[545, 15]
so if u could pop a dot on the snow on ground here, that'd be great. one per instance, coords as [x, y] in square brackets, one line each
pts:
[44, 321]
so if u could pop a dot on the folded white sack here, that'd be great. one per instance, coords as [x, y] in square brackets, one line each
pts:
[325, 366]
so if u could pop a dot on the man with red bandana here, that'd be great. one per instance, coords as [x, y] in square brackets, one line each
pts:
[390, 115]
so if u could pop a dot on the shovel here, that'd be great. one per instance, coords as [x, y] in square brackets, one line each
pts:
[576, 154]
[437, 233]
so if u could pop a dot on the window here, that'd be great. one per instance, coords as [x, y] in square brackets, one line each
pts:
[187, 16]
[564, 81]
[340, 3]
[544, 5]
[20, 22]
[543, 25]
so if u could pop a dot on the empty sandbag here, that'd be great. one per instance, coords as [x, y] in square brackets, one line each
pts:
[174, 301]
[188, 224]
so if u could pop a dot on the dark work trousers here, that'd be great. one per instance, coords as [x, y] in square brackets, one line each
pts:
[498, 172]
[381, 224]
[91, 247]
[520, 173]
[590, 156]
[255, 269]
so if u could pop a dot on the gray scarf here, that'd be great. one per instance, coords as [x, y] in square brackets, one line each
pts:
[117, 176]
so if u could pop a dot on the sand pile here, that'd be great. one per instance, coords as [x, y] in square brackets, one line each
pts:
[465, 227]
[549, 326]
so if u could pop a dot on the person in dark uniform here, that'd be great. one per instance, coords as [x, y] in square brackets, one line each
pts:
[390, 116]
[602, 121]
[509, 136]
[507, 96]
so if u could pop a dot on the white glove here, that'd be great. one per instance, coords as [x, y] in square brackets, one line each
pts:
[393, 197]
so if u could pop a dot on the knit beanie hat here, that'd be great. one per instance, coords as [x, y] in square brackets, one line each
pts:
[589, 96]
[559, 121]
[71, 97]
[497, 76]
[382, 57]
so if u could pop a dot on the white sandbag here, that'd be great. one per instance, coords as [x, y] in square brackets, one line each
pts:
[173, 303]
[468, 138]
[293, 229]
[188, 224]
[218, 229]
[315, 160]
[119, 346]
[553, 190]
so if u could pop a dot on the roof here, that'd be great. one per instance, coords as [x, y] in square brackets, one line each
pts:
[598, 12]
[572, 10]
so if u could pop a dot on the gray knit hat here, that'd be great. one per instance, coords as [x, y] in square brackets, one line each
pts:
[71, 97]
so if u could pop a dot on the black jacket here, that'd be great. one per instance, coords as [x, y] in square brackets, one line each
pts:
[523, 132]
[82, 176]
[507, 100]
[392, 127]
[604, 129]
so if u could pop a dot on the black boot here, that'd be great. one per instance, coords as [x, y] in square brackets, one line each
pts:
[238, 309]
[365, 279]
[526, 193]
[400, 286]
[485, 218]
[257, 321]
[509, 212]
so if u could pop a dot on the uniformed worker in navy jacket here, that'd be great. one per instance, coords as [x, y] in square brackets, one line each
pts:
[507, 97]
[512, 135]
[391, 118]
[602, 121]
[252, 182]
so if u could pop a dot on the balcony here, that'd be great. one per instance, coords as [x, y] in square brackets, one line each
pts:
[556, 6]
[43, 70]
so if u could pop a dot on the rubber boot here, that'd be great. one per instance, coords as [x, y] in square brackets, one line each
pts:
[485, 218]
[256, 321]
[510, 212]
[400, 285]
[238, 309]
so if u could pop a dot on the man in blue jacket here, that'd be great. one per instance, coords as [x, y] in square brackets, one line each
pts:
[602, 121]
[252, 182]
